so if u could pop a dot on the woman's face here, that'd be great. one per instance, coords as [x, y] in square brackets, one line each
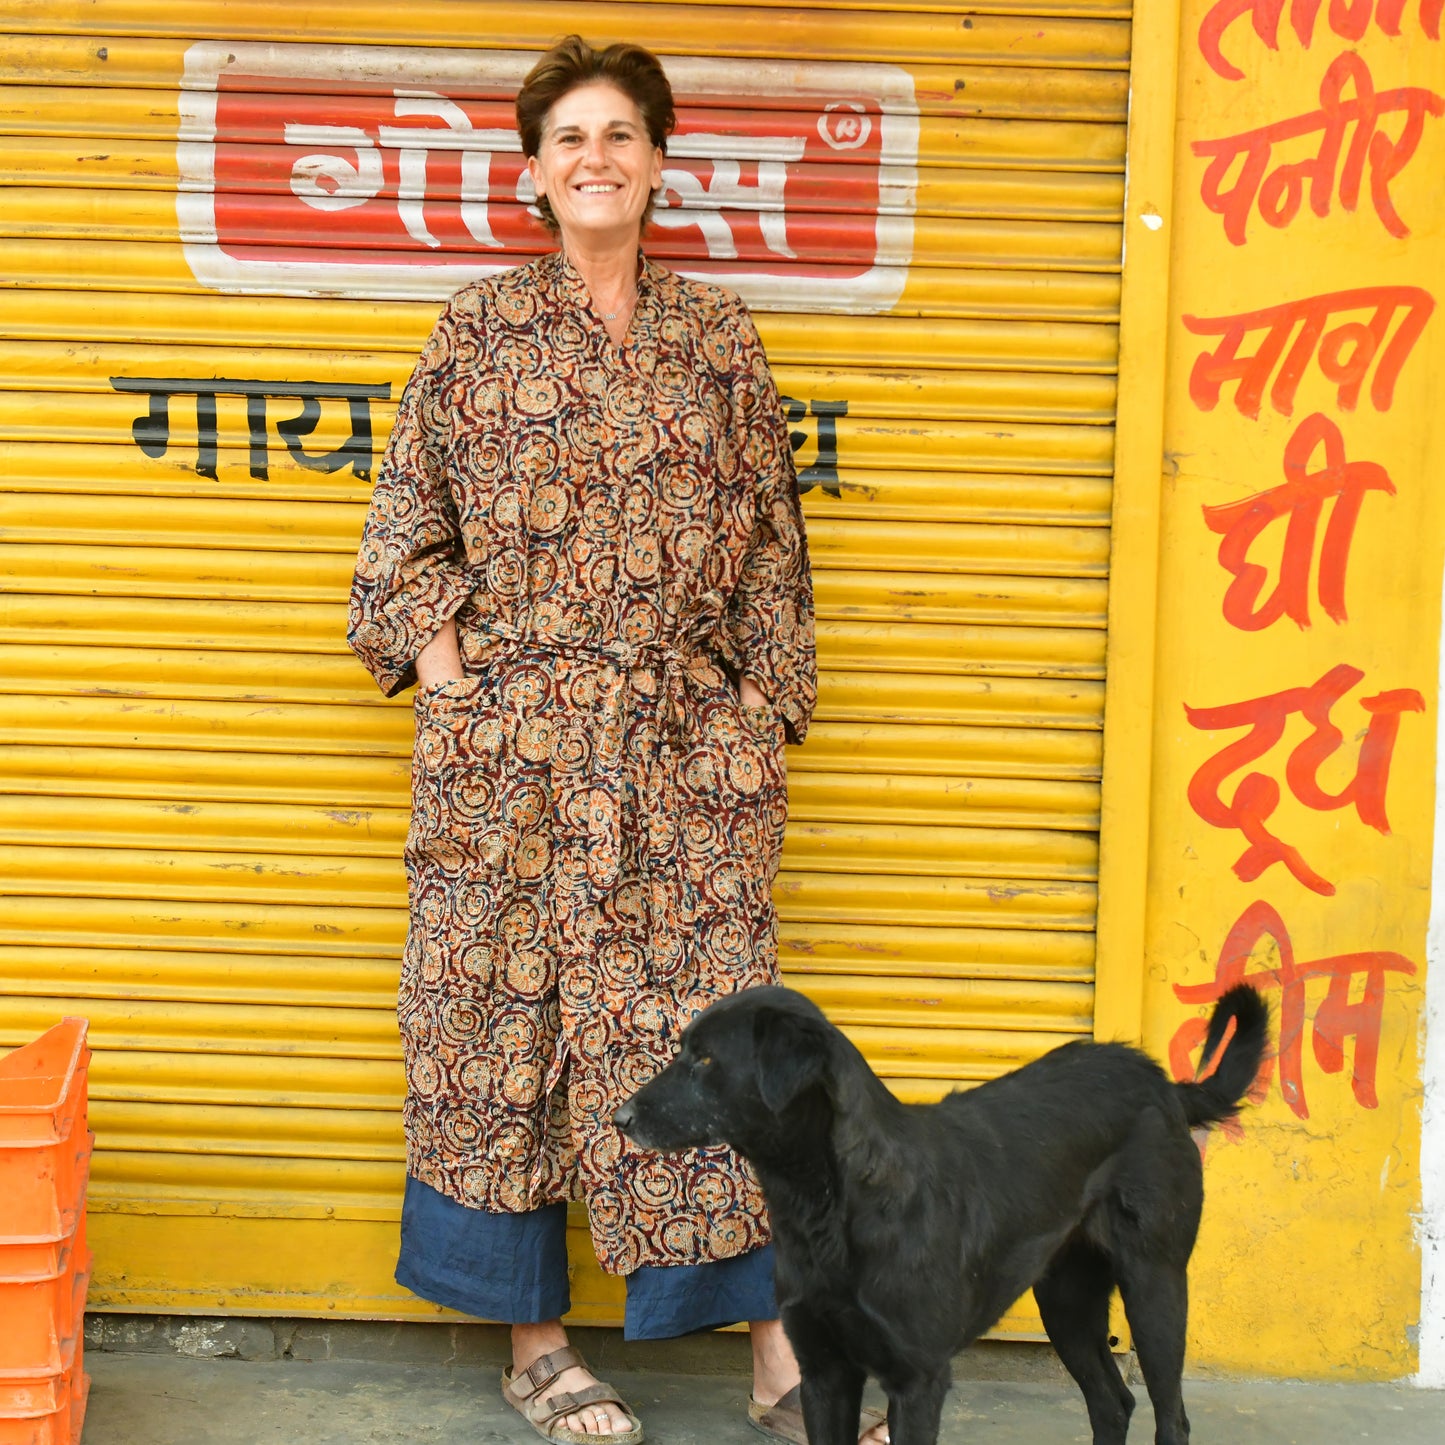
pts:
[597, 166]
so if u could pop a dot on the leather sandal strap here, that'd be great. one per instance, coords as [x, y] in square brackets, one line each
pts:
[569, 1404]
[784, 1417]
[545, 1368]
[784, 1412]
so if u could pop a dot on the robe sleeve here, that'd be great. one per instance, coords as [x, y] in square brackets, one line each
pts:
[768, 625]
[411, 573]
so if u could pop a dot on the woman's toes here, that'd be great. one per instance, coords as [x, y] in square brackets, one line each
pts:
[600, 1422]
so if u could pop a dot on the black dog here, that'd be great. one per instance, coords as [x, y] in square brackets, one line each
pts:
[903, 1232]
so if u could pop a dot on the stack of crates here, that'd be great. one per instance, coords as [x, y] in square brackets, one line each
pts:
[45, 1145]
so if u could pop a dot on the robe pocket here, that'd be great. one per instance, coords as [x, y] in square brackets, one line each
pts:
[458, 780]
[455, 691]
[762, 724]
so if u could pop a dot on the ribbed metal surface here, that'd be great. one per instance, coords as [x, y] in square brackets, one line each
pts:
[72, 371]
[1029, 37]
[204, 798]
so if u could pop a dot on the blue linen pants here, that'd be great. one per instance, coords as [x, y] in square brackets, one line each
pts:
[513, 1268]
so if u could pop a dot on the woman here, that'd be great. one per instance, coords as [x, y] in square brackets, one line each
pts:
[585, 546]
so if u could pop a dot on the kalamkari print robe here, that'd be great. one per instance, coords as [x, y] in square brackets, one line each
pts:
[596, 819]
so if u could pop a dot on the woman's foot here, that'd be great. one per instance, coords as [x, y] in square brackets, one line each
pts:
[775, 1372]
[531, 1342]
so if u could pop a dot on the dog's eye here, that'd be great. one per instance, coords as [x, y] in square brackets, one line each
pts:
[703, 1061]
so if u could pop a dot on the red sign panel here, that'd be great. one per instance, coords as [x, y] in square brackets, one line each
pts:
[383, 172]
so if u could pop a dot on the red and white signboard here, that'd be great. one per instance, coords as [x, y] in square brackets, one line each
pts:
[391, 172]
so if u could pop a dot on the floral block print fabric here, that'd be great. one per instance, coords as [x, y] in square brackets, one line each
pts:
[596, 819]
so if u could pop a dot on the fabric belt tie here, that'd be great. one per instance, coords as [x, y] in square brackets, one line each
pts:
[672, 660]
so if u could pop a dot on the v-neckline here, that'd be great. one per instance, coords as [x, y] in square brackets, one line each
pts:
[576, 288]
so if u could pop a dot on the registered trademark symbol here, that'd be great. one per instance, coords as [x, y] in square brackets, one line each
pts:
[845, 125]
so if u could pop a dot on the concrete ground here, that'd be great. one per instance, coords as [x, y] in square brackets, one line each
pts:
[272, 1383]
[155, 1400]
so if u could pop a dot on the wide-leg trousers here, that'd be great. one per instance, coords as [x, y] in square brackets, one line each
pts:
[512, 1268]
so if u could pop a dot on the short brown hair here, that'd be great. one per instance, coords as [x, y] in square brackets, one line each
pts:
[572, 62]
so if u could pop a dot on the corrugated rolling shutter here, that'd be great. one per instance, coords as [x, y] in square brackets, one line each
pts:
[205, 799]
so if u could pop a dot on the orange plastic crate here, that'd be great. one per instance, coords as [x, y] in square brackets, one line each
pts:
[40, 1082]
[39, 1255]
[44, 1142]
[41, 1317]
[42, 1186]
[48, 1409]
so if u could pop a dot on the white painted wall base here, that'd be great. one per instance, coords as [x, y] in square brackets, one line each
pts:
[1431, 1229]
[1432, 1327]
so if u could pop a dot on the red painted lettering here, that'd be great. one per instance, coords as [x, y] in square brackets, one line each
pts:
[1301, 499]
[1345, 351]
[1336, 1018]
[1349, 19]
[1281, 191]
[1258, 794]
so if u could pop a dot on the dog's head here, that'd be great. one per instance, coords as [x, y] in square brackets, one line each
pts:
[743, 1065]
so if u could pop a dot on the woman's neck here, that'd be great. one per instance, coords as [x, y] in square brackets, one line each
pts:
[609, 273]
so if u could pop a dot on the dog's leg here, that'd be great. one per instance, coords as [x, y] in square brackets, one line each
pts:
[915, 1411]
[1153, 1216]
[832, 1398]
[1073, 1298]
[1156, 1300]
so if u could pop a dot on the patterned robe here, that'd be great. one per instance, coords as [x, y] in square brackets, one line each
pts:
[596, 819]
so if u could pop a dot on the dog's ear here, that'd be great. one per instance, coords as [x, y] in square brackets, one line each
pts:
[791, 1056]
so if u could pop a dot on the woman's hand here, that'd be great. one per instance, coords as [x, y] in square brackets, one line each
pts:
[440, 660]
[750, 694]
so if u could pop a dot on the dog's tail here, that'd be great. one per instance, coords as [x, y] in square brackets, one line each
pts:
[1233, 1050]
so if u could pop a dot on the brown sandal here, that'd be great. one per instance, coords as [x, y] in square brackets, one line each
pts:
[545, 1414]
[784, 1421]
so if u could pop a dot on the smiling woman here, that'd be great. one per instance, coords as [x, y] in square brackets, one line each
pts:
[605, 136]
[597, 170]
[586, 546]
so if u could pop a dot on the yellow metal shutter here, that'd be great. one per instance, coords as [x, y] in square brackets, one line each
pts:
[205, 799]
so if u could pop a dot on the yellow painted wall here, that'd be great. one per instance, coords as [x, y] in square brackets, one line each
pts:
[1306, 1264]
